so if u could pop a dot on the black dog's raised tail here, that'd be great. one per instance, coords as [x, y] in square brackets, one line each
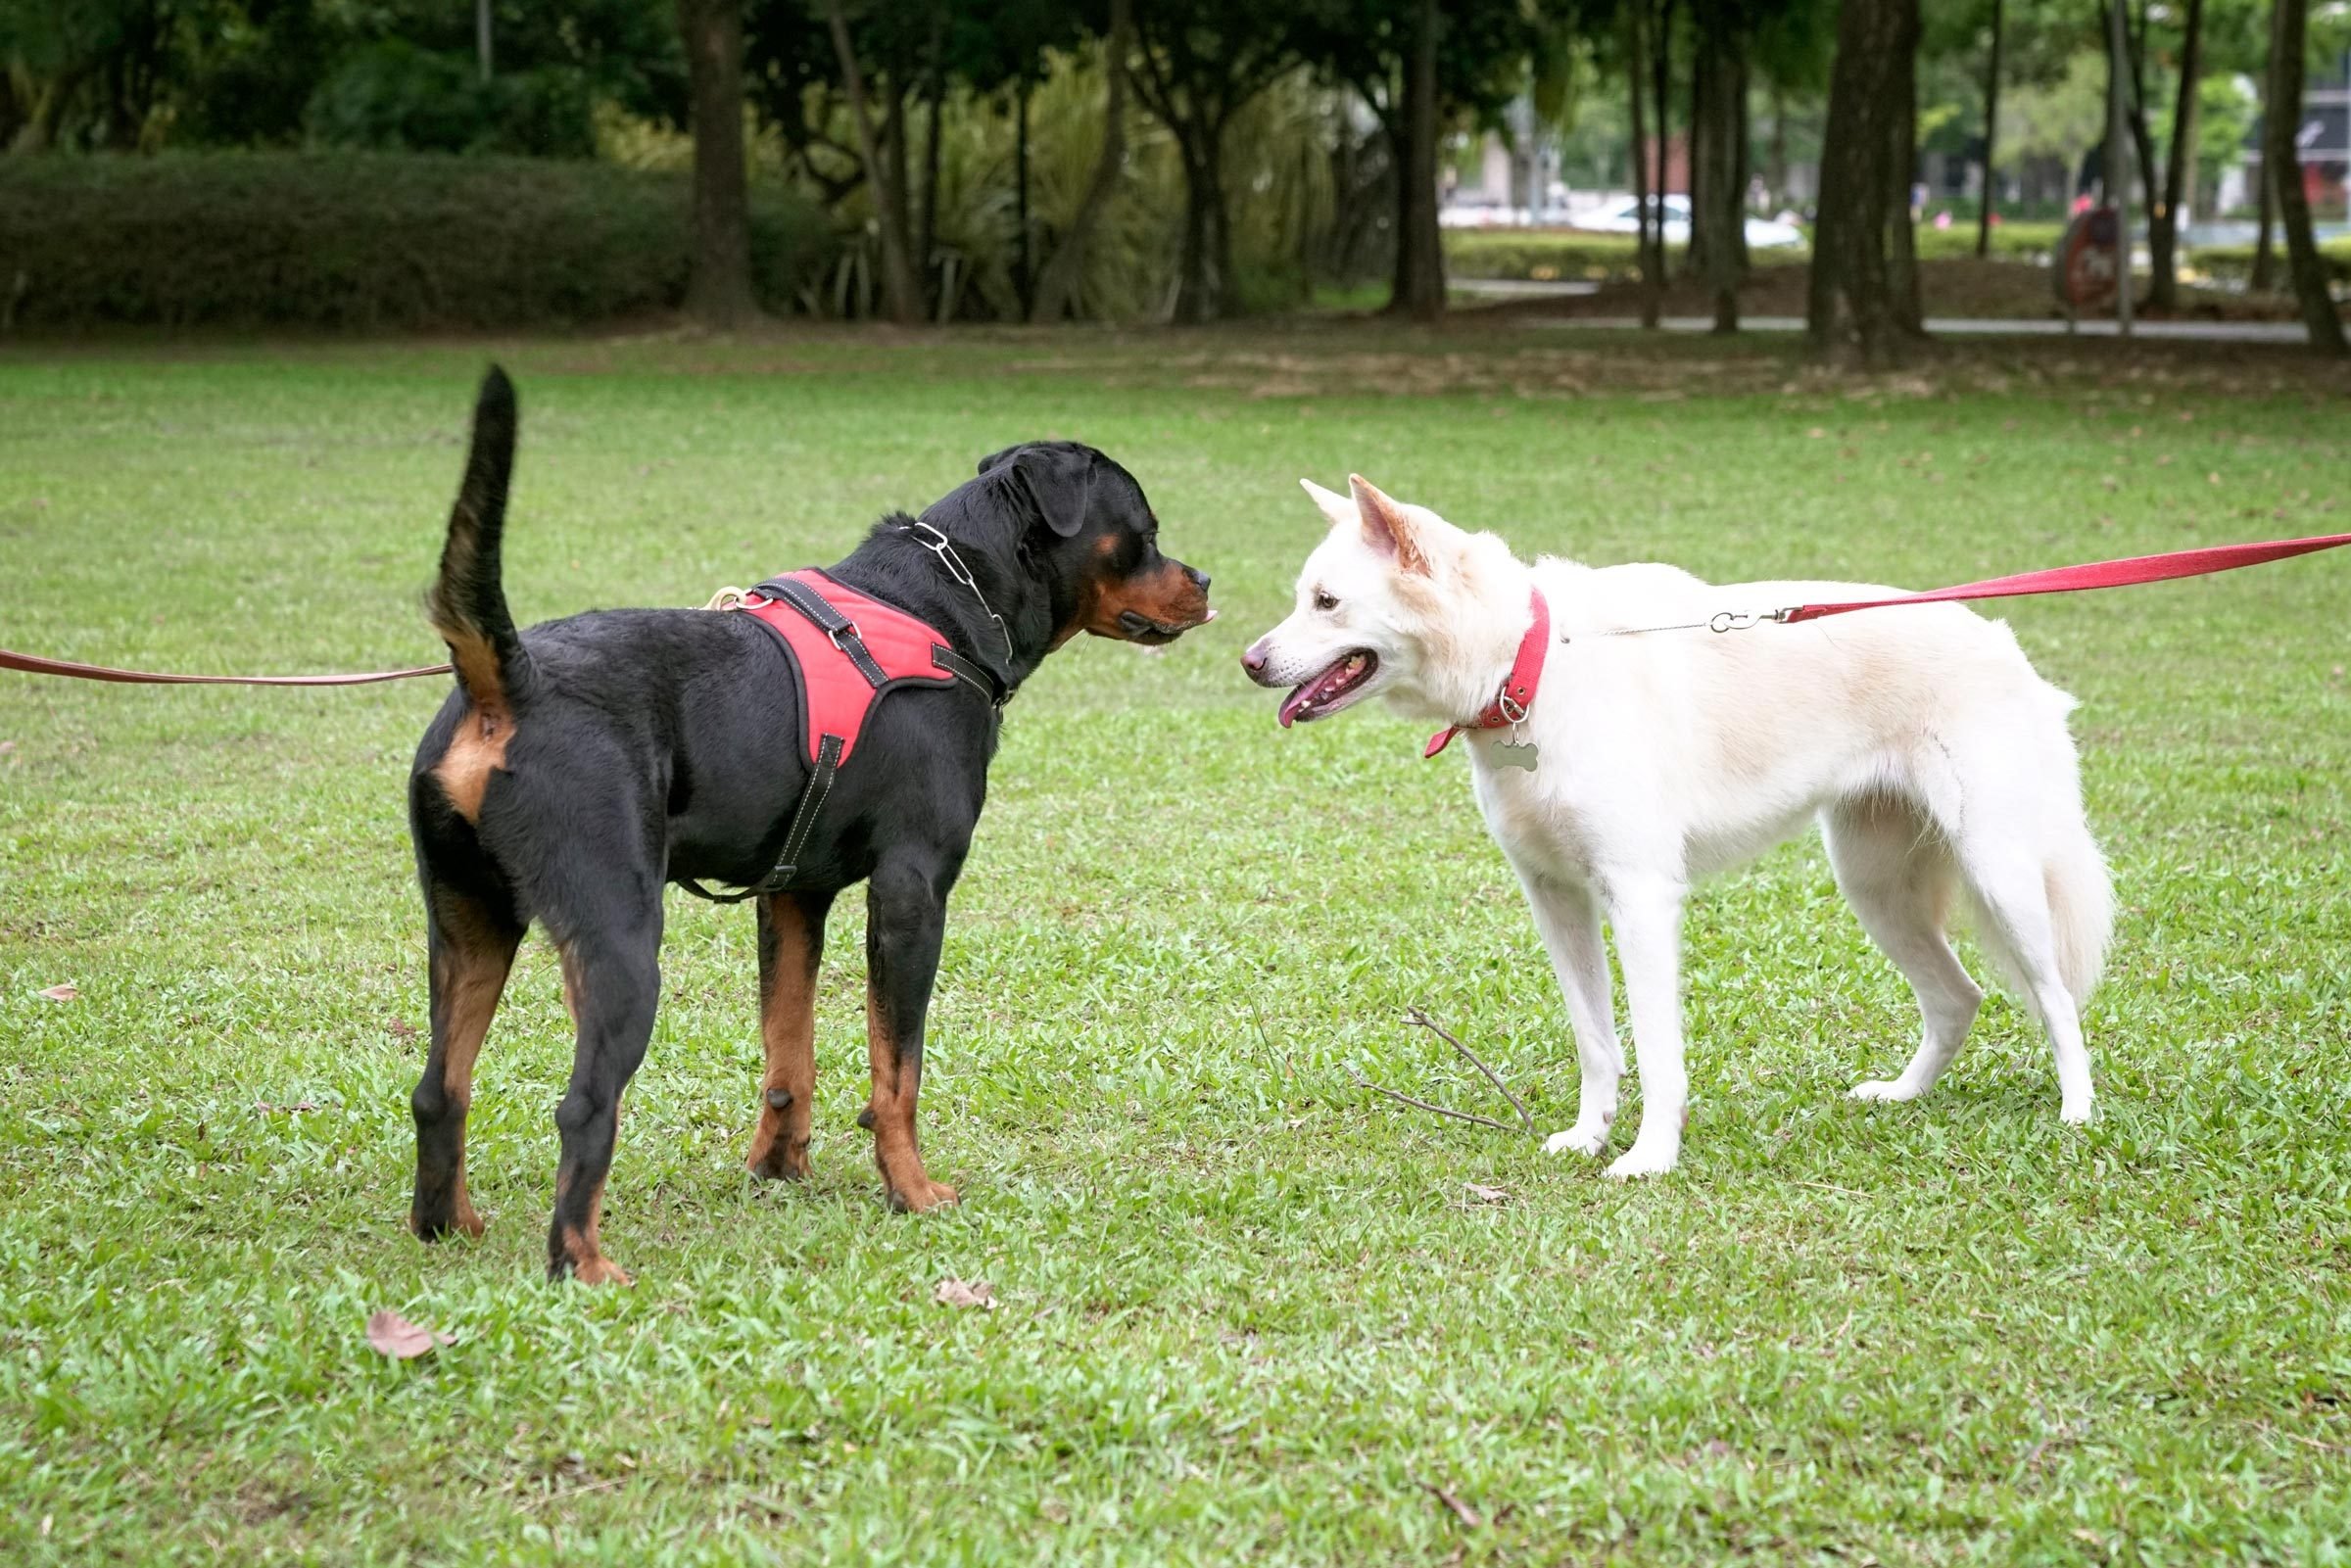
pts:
[466, 603]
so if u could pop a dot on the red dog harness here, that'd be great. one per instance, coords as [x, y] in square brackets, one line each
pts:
[1517, 693]
[847, 651]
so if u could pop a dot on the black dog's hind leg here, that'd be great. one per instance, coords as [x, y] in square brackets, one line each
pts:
[792, 944]
[612, 980]
[472, 946]
[905, 920]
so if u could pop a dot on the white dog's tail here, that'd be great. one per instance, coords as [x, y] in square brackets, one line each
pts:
[2080, 908]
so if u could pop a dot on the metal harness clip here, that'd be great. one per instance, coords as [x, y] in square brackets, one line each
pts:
[942, 546]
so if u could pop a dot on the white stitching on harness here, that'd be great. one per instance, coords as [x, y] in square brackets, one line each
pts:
[792, 851]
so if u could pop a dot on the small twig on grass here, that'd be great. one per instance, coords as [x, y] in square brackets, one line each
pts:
[1826, 1187]
[566, 1494]
[2060, 1436]
[2313, 1443]
[1460, 1510]
[1419, 1019]
[1362, 1083]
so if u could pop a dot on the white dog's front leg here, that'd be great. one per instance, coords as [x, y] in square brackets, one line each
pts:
[1569, 920]
[1648, 917]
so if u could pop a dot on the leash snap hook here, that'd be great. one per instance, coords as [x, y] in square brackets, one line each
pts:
[1510, 709]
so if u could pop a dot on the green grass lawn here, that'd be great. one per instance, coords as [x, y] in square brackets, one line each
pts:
[1245, 1310]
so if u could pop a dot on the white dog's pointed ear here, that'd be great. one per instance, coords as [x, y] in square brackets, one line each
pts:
[1335, 506]
[1387, 528]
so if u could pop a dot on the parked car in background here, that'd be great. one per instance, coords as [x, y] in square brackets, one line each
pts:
[1624, 217]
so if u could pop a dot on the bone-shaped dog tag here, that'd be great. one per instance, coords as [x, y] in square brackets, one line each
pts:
[1516, 754]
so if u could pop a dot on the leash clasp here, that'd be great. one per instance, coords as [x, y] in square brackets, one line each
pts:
[1512, 710]
[1742, 620]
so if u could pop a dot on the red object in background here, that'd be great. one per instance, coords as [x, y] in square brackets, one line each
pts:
[2088, 266]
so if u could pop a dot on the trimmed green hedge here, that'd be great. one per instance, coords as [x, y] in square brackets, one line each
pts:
[364, 240]
[1546, 255]
[2010, 242]
[2236, 260]
[1569, 256]
[1565, 255]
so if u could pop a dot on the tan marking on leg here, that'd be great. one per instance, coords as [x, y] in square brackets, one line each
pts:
[890, 1115]
[474, 981]
[787, 1032]
[478, 746]
[585, 1246]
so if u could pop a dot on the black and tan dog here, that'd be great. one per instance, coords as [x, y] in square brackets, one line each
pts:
[580, 767]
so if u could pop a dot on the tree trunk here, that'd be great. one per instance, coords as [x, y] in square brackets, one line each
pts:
[1661, 66]
[901, 296]
[1992, 128]
[1026, 262]
[1775, 171]
[1701, 145]
[2180, 168]
[925, 235]
[896, 144]
[1851, 300]
[1743, 159]
[2264, 254]
[1203, 278]
[1644, 219]
[2282, 120]
[2135, 110]
[718, 290]
[1419, 290]
[1716, 208]
[1902, 230]
[1058, 288]
[481, 35]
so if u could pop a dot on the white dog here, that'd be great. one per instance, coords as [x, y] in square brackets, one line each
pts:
[1615, 770]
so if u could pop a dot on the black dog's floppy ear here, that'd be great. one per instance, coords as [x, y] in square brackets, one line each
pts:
[1060, 478]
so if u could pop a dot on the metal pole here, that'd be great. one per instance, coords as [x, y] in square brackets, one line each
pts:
[2118, 162]
[481, 33]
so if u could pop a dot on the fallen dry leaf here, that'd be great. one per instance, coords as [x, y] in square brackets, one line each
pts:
[401, 1340]
[404, 1031]
[1486, 1195]
[62, 993]
[953, 1292]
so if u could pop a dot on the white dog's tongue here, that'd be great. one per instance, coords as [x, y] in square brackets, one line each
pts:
[1323, 685]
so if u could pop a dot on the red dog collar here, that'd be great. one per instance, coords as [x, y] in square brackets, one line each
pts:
[1509, 706]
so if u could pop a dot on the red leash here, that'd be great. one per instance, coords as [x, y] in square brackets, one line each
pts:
[2093, 574]
[100, 672]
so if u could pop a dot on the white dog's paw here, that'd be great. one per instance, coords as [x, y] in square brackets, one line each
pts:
[1885, 1089]
[1584, 1138]
[1645, 1159]
[2075, 1112]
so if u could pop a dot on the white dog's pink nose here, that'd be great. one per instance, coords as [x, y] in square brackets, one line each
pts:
[1254, 660]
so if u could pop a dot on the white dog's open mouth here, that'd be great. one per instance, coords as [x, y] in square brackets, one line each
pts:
[1341, 682]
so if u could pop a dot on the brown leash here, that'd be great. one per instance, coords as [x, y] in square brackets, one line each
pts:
[100, 672]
